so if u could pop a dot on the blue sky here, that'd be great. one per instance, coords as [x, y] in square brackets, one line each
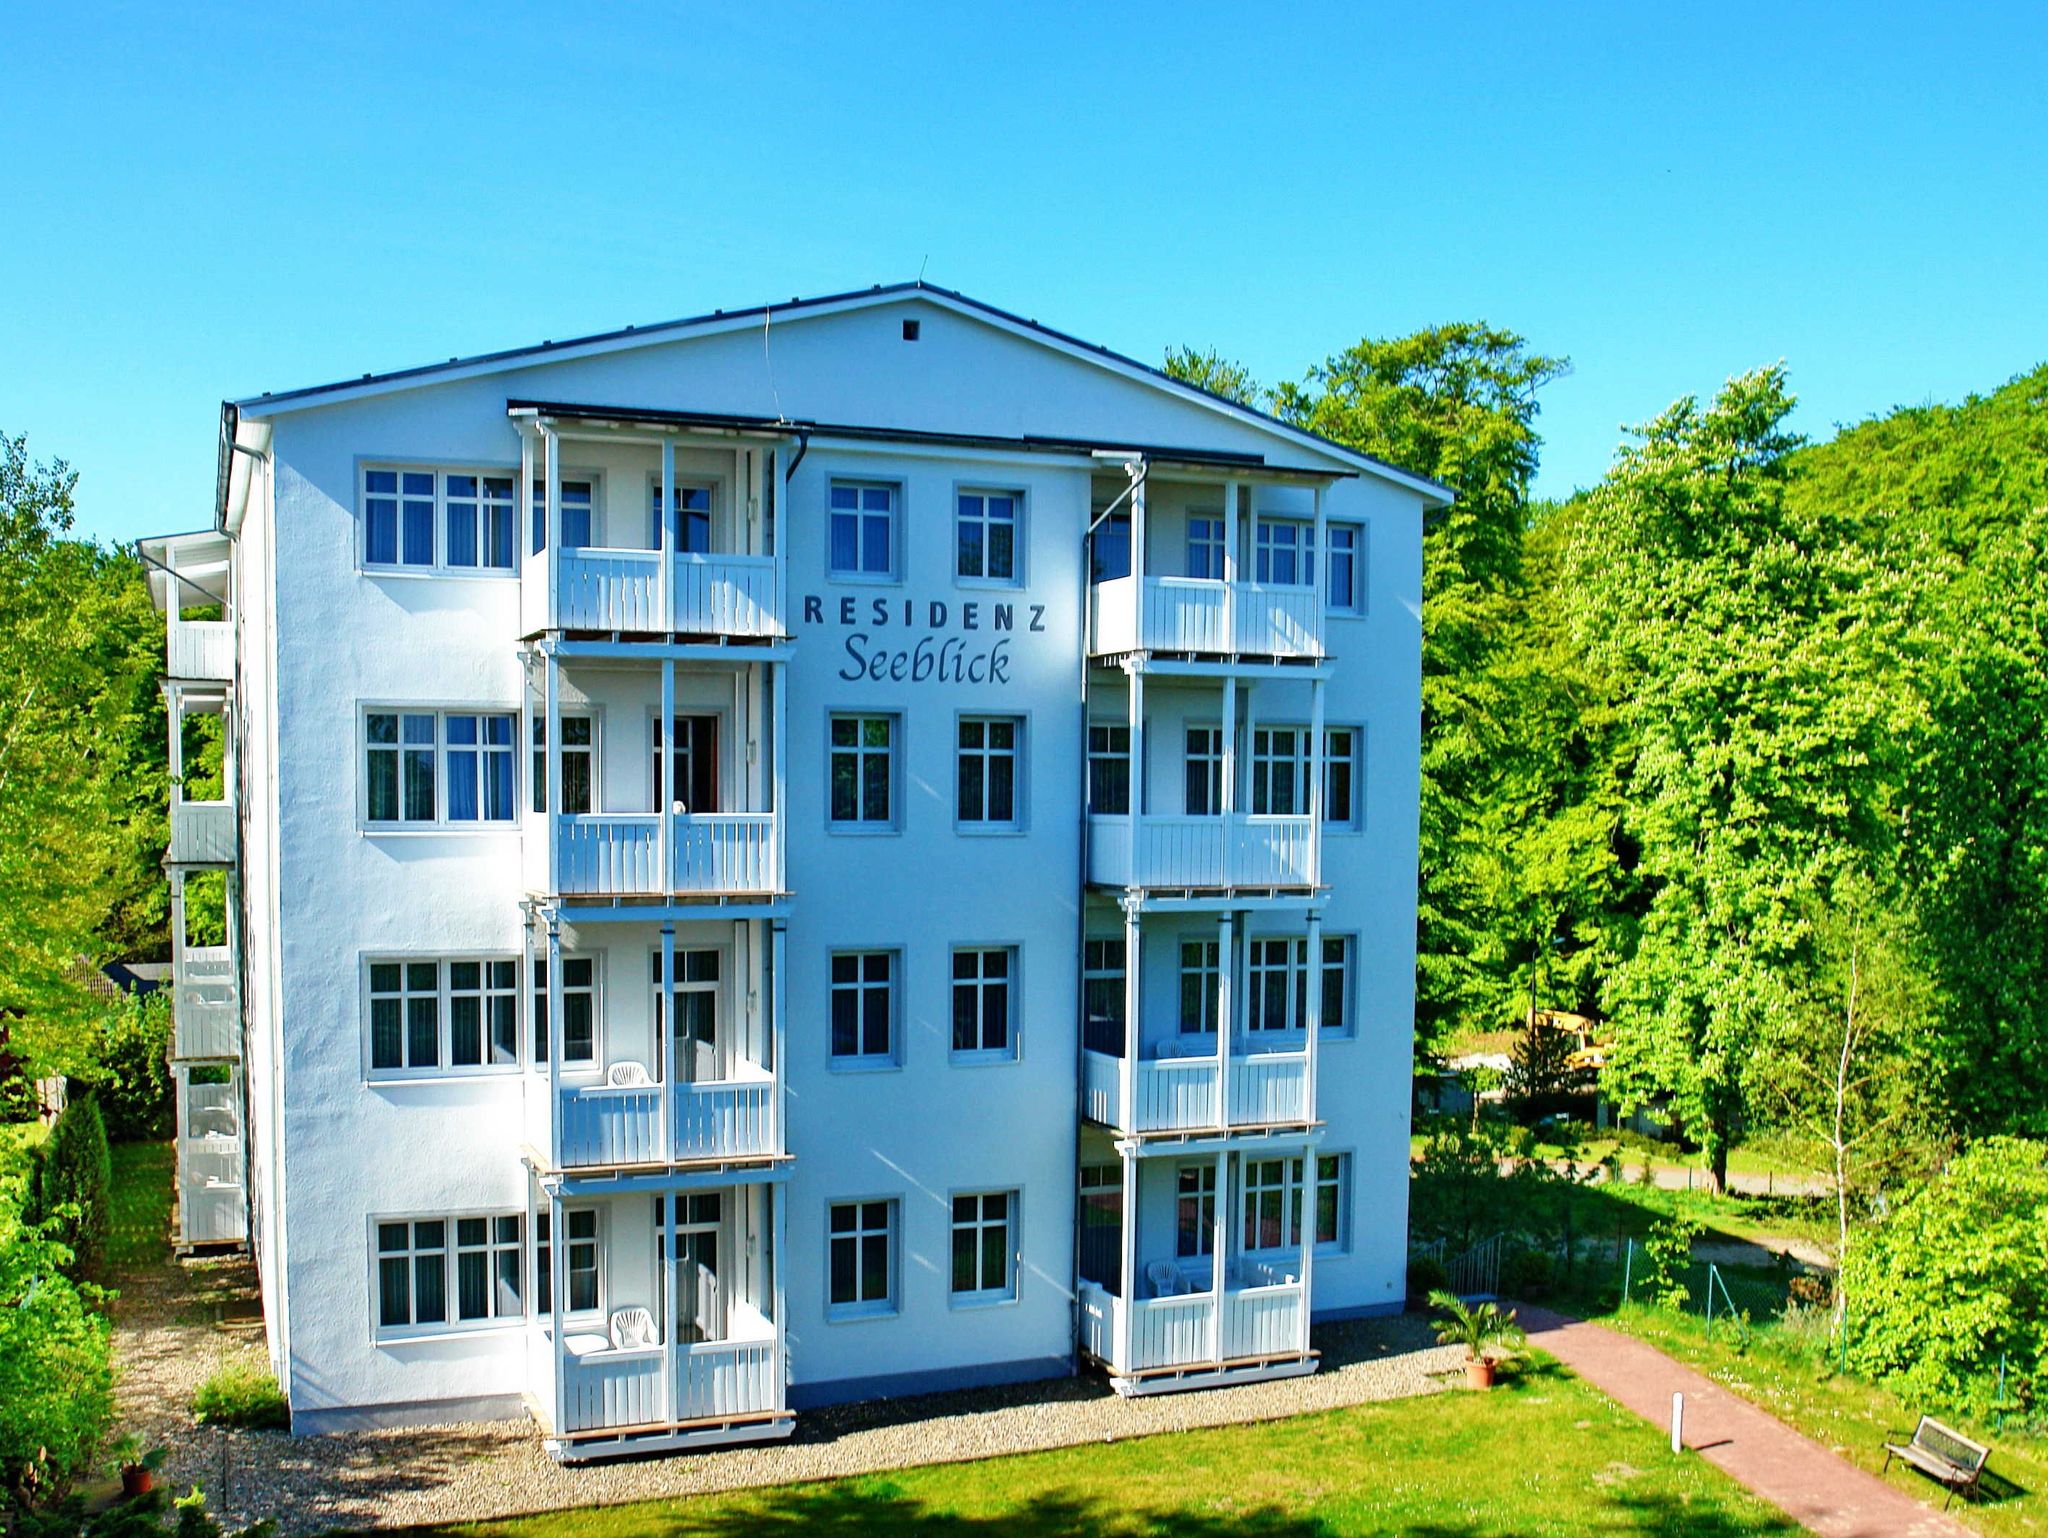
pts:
[212, 201]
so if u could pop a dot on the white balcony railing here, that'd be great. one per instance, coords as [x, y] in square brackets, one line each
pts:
[202, 833]
[606, 1128]
[721, 595]
[1203, 852]
[202, 649]
[205, 1011]
[1206, 616]
[618, 854]
[707, 1380]
[1260, 1322]
[1178, 1094]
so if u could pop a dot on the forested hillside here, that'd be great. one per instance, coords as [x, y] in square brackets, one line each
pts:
[1740, 751]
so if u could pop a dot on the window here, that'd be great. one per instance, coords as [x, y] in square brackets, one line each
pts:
[1102, 995]
[483, 1013]
[695, 1036]
[473, 512]
[1101, 1247]
[1201, 980]
[1272, 1204]
[862, 1244]
[412, 1274]
[982, 1012]
[579, 1011]
[1195, 1210]
[405, 1015]
[1343, 774]
[689, 522]
[1347, 567]
[585, 1294]
[988, 771]
[1109, 770]
[1333, 1200]
[578, 504]
[1109, 550]
[1205, 547]
[487, 1263]
[863, 1008]
[436, 768]
[984, 1249]
[1286, 553]
[985, 535]
[1279, 771]
[1204, 771]
[1278, 984]
[863, 530]
[579, 763]
[863, 771]
[429, 1015]
[416, 1286]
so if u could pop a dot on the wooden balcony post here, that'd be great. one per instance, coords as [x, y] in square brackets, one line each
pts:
[552, 517]
[1127, 1238]
[1144, 610]
[778, 495]
[778, 768]
[553, 800]
[555, 1038]
[526, 551]
[1219, 1239]
[558, 1268]
[1307, 1236]
[1227, 799]
[778, 936]
[1135, 696]
[1316, 771]
[665, 537]
[1319, 577]
[1230, 568]
[665, 777]
[779, 1209]
[668, 1052]
[1225, 1013]
[1312, 1012]
[671, 1276]
[1127, 1109]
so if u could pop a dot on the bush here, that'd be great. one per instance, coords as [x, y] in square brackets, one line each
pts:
[56, 1371]
[1528, 1274]
[70, 1186]
[135, 1093]
[1957, 1278]
[241, 1394]
[1665, 1257]
[1426, 1275]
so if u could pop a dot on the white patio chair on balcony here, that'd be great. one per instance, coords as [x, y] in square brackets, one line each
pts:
[628, 1075]
[1166, 1280]
[633, 1330]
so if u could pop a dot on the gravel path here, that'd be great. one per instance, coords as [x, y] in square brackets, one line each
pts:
[173, 1329]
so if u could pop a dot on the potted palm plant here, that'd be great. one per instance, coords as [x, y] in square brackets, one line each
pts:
[138, 1468]
[1488, 1335]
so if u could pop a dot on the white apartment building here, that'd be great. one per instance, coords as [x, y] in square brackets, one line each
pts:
[809, 853]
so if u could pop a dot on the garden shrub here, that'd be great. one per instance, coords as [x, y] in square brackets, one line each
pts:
[1955, 1279]
[241, 1394]
[1663, 1260]
[135, 1093]
[1528, 1274]
[70, 1185]
[1426, 1274]
[56, 1371]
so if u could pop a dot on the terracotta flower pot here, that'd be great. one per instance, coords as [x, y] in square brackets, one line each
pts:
[1479, 1372]
[136, 1480]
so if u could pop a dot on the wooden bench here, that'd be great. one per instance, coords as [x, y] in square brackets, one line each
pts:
[1941, 1453]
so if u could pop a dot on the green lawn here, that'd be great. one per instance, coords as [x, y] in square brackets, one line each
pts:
[1543, 1455]
[1850, 1415]
[141, 1220]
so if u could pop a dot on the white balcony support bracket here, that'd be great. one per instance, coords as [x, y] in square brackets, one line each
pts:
[1226, 1014]
[1219, 1237]
[665, 574]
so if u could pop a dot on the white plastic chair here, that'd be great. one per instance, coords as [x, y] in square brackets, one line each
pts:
[1164, 1276]
[628, 1075]
[633, 1330]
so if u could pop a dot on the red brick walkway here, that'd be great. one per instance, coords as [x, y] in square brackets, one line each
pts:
[1817, 1489]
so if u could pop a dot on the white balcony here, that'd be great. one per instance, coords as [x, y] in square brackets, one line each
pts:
[606, 1127]
[1261, 1322]
[202, 649]
[202, 833]
[733, 596]
[605, 1389]
[619, 854]
[212, 1200]
[1178, 1094]
[1203, 853]
[205, 1004]
[1204, 616]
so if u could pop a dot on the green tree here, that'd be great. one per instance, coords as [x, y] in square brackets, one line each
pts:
[1457, 403]
[71, 1185]
[1210, 370]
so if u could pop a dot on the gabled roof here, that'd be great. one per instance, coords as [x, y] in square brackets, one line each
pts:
[272, 403]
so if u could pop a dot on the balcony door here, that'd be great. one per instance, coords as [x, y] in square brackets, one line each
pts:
[694, 763]
[699, 1049]
[688, 1252]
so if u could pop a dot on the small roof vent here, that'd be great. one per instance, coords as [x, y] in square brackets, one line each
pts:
[911, 328]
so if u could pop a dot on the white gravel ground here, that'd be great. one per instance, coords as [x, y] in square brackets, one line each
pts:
[169, 1339]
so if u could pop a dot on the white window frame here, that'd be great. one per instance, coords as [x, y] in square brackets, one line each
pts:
[981, 984]
[538, 997]
[985, 756]
[860, 987]
[600, 1249]
[892, 755]
[590, 479]
[538, 755]
[1208, 970]
[978, 1224]
[1360, 567]
[437, 563]
[444, 995]
[1346, 967]
[1268, 551]
[1288, 1188]
[891, 1233]
[893, 572]
[1107, 755]
[713, 488]
[1269, 764]
[1204, 1195]
[1342, 1181]
[1204, 756]
[1259, 966]
[1097, 969]
[1355, 761]
[441, 751]
[962, 518]
[450, 1250]
[1212, 541]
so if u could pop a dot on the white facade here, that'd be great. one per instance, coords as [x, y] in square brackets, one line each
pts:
[451, 585]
